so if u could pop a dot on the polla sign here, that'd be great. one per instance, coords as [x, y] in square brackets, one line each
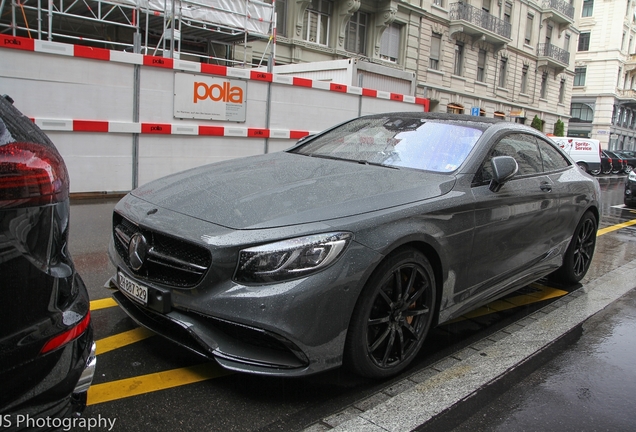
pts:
[209, 98]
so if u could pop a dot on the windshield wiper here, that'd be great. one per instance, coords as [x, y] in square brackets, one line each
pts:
[364, 162]
[361, 161]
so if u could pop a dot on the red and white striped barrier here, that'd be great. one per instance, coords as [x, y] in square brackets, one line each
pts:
[165, 129]
[71, 50]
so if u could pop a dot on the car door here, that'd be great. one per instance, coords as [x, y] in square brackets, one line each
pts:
[514, 226]
[567, 188]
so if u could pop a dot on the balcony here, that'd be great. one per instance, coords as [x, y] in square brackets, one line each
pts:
[479, 24]
[553, 57]
[627, 98]
[630, 64]
[558, 11]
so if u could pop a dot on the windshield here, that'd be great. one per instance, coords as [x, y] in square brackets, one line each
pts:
[397, 142]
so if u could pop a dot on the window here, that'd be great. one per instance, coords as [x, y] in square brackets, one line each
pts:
[316, 22]
[562, 91]
[481, 65]
[523, 148]
[503, 65]
[507, 12]
[623, 41]
[544, 85]
[579, 76]
[620, 72]
[453, 108]
[485, 6]
[524, 79]
[439, 3]
[581, 113]
[584, 41]
[566, 43]
[499, 115]
[355, 40]
[548, 36]
[436, 43]
[390, 43]
[529, 24]
[553, 160]
[459, 58]
[281, 17]
[588, 7]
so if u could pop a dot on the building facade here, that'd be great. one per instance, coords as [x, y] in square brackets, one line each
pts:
[604, 93]
[498, 58]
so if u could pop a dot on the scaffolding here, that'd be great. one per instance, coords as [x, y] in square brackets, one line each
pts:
[199, 30]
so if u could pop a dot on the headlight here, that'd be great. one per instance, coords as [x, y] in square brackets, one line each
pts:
[289, 259]
[632, 176]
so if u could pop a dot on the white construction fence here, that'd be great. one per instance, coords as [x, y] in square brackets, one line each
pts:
[121, 119]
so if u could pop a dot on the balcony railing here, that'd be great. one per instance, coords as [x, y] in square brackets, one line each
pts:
[553, 52]
[559, 6]
[480, 18]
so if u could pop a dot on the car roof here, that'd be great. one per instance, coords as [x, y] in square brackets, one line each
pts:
[479, 122]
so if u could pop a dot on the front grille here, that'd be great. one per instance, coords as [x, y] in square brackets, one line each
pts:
[169, 260]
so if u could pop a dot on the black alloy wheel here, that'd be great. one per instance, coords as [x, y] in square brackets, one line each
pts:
[607, 170]
[392, 317]
[578, 256]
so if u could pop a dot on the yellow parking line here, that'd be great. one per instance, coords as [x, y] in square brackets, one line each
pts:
[102, 303]
[99, 393]
[122, 339]
[615, 227]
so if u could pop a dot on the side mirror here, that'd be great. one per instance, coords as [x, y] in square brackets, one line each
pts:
[503, 169]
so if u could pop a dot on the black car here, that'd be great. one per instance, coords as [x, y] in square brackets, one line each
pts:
[350, 246]
[619, 165]
[629, 156]
[630, 190]
[47, 352]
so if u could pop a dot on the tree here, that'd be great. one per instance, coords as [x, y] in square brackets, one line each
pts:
[537, 123]
[559, 128]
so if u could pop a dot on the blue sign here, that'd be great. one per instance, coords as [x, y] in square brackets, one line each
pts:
[474, 111]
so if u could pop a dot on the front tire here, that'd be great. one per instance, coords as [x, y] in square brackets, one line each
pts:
[392, 316]
[580, 251]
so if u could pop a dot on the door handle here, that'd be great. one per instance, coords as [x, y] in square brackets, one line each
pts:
[546, 187]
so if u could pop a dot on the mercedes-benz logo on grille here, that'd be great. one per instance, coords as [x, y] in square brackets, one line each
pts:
[137, 250]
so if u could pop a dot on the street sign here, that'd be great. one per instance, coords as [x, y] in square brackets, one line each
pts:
[474, 111]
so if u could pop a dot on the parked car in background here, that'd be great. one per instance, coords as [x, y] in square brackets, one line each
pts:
[350, 246]
[606, 163]
[630, 190]
[629, 156]
[47, 353]
[617, 164]
[585, 152]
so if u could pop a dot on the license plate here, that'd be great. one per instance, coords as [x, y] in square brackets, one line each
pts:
[138, 292]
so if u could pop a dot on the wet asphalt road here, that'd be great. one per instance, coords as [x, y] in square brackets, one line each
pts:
[589, 387]
[248, 403]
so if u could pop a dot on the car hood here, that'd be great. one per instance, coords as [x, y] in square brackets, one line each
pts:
[280, 189]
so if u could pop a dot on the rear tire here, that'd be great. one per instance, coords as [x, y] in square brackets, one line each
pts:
[392, 316]
[580, 251]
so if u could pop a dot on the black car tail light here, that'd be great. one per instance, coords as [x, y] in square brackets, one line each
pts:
[30, 175]
[69, 335]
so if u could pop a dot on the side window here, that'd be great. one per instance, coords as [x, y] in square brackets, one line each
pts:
[553, 160]
[519, 146]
